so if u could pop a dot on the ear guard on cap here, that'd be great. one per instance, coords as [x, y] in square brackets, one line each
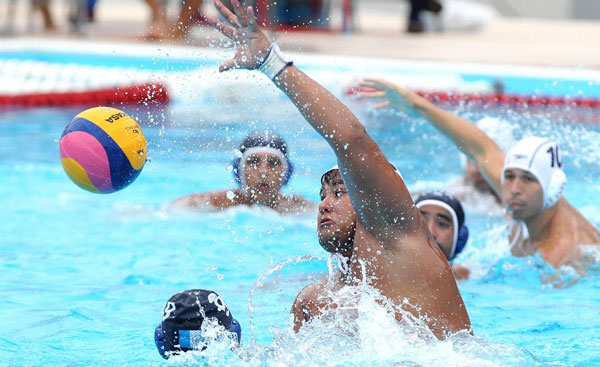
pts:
[237, 329]
[236, 171]
[159, 340]
[558, 181]
[461, 240]
[159, 337]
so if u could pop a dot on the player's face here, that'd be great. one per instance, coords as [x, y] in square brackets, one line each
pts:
[522, 193]
[440, 224]
[264, 174]
[336, 221]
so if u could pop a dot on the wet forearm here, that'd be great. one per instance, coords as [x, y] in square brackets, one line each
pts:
[377, 192]
[466, 136]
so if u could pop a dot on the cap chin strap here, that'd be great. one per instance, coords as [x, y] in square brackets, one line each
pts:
[449, 209]
[342, 264]
[254, 150]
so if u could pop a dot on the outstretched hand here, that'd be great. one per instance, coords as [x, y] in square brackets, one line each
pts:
[252, 46]
[394, 96]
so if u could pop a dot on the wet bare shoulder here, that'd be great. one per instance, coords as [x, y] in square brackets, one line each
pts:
[307, 303]
[311, 292]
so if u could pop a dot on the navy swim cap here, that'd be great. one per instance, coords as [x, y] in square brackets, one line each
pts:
[184, 314]
[447, 201]
[263, 139]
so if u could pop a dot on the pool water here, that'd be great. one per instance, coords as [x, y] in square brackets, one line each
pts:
[85, 277]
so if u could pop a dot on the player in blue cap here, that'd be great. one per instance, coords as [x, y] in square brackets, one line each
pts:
[445, 218]
[261, 172]
[186, 317]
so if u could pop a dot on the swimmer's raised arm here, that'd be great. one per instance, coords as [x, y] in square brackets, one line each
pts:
[467, 137]
[377, 192]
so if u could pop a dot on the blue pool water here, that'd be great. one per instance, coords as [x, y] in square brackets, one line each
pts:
[85, 277]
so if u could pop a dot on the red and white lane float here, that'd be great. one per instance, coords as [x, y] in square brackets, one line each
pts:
[26, 83]
[496, 99]
[150, 93]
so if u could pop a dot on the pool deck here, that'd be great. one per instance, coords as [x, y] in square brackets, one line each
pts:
[516, 41]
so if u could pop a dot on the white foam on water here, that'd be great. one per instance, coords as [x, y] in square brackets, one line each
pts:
[362, 330]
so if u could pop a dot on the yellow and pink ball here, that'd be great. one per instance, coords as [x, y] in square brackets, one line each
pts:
[102, 150]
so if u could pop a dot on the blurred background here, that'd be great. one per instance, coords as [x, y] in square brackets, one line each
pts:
[510, 31]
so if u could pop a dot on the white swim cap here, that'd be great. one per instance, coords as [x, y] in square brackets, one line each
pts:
[540, 157]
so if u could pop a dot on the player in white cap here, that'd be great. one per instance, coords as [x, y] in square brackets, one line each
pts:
[529, 179]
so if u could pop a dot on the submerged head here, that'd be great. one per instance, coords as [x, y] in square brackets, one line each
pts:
[264, 167]
[445, 219]
[336, 220]
[532, 177]
[186, 318]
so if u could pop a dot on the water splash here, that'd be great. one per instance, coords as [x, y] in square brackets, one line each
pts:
[362, 330]
[261, 282]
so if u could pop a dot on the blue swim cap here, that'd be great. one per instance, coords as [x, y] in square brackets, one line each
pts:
[448, 202]
[271, 142]
[181, 328]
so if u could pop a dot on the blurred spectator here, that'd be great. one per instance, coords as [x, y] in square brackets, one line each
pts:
[44, 7]
[417, 7]
[299, 12]
[348, 15]
[189, 15]
[158, 26]
[82, 11]
[90, 5]
[448, 15]
[307, 13]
